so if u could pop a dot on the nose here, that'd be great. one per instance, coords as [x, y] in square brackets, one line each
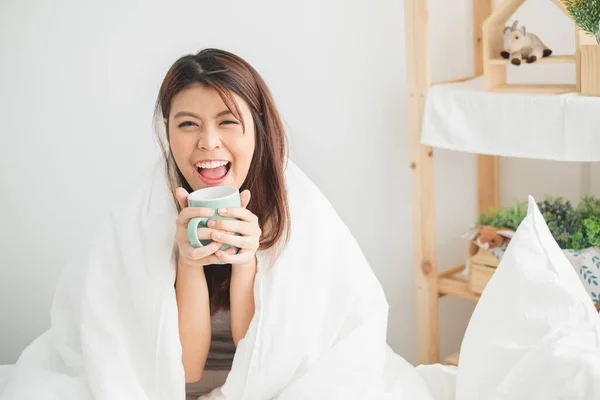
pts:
[209, 140]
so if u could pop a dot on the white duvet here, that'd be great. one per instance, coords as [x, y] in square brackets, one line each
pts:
[319, 329]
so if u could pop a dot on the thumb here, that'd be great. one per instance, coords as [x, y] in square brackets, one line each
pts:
[181, 194]
[245, 198]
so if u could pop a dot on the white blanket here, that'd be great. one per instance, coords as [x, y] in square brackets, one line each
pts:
[319, 331]
[320, 323]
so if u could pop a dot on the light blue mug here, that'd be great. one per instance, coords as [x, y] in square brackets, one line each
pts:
[212, 197]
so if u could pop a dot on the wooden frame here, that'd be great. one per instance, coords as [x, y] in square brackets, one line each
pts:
[495, 66]
[588, 64]
[421, 166]
[431, 285]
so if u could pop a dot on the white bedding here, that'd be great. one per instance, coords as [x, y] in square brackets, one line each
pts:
[464, 117]
[320, 324]
[319, 329]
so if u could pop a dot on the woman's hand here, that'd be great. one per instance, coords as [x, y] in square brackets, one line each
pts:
[189, 255]
[246, 225]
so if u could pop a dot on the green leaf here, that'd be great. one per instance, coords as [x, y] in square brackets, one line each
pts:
[586, 14]
[506, 217]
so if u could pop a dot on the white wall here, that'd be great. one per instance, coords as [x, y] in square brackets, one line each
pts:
[78, 86]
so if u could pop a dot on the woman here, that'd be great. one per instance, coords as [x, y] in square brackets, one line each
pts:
[222, 128]
[297, 313]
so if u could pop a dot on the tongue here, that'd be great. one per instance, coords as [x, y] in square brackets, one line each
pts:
[213, 173]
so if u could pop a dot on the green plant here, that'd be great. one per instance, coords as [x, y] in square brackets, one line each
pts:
[588, 216]
[486, 218]
[586, 14]
[505, 217]
[589, 206]
[588, 235]
[573, 228]
[561, 219]
[592, 230]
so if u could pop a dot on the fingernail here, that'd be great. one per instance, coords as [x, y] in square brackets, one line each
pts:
[211, 223]
[218, 253]
[216, 236]
[222, 210]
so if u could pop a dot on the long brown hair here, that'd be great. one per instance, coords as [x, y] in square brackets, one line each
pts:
[227, 73]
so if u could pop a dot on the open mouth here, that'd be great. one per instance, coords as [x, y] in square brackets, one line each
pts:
[213, 172]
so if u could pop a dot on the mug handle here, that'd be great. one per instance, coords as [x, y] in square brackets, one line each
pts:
[193, 226]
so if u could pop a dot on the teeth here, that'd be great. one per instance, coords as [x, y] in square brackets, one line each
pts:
[211, 164]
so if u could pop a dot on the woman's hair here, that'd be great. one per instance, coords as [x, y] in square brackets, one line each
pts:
[227, 74]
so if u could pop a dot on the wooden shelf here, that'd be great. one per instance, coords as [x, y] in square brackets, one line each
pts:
[553, 59]
[451, 283]
[535, 88]
[452, 359]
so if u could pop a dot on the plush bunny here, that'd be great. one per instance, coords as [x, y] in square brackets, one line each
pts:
[488, 237]
[495, 240]
[520, 44]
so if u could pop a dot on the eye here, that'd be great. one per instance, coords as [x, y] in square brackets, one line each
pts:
[516, 37]
[229, 122]
[186, 123]
[493, 241]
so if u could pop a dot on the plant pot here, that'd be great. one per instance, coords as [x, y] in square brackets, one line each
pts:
[590, 70]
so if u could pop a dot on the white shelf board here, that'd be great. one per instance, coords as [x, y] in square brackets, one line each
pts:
[464, 117]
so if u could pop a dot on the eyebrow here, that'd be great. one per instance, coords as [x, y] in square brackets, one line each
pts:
[190, 114]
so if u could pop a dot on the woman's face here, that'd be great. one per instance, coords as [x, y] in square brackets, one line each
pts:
[209, 144]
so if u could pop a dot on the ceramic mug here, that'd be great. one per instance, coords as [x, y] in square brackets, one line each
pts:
[212, 197]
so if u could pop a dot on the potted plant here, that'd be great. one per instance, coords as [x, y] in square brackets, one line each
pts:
[586, 14]
[575, 229]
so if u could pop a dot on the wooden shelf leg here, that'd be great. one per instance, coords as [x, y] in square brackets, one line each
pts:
[487, 182]
[418, 82]
[425, 257]
[487, 166]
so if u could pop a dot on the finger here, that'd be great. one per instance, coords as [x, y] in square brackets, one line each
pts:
[239, 213]
[181, 194]
[245, 198]
[228, 225]
[212, 259]
[190, 212]
[202, 252]
[209, 234]
[243, 257]
[242, 242]
[181, 235]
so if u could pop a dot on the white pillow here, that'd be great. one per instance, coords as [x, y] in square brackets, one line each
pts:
[534, 333]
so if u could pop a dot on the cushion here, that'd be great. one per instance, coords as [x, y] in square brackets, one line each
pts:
[534, 333]
[587, 265]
